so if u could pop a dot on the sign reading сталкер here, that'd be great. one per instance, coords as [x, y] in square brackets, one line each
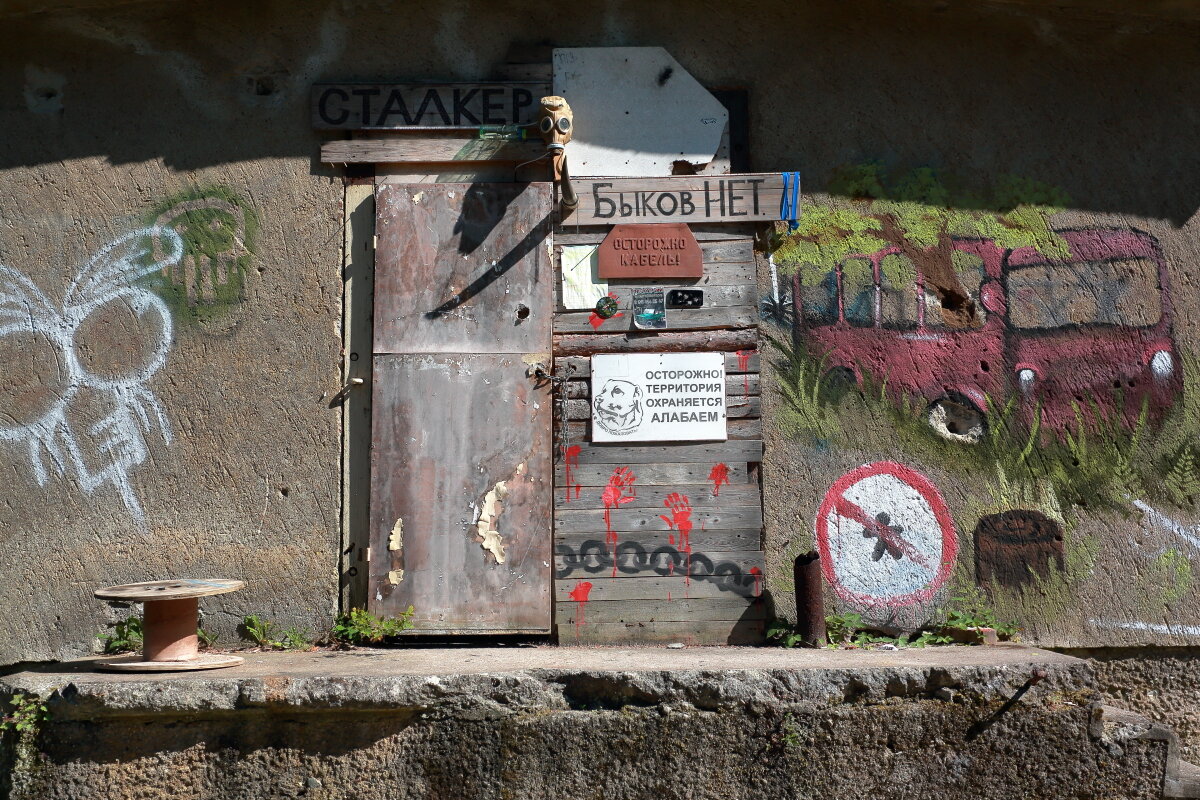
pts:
[658, 397]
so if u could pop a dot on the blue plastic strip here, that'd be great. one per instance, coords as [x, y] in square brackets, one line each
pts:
[789, 200]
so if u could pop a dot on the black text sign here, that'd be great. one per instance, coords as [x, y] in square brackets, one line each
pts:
[365, 106]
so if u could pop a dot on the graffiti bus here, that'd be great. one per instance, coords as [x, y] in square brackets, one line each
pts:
[1088, 334]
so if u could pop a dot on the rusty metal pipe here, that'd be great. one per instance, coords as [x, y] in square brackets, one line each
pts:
[570, 200]
[810, 602]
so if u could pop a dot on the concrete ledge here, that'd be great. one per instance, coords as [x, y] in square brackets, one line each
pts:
[612, 723]
[708, 678]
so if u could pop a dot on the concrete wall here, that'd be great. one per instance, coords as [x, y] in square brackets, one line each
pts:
[182, 427]
[547, 722]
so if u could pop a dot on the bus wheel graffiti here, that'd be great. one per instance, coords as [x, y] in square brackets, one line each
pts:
[956, 419]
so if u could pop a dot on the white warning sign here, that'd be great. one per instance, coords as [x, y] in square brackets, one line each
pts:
[658, 397]
[885, 536]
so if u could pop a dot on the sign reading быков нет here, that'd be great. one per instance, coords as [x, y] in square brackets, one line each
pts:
[750, 197]
[658, 397]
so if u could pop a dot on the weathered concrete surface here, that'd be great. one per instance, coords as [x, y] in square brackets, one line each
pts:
[611, 723]
[1159, 683]
[115, 110]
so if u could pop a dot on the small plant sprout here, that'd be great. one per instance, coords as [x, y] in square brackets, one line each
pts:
[294, 639]
[207, 640]
[126, 637]
[257, 630]
[840, 628]
[361, 627]
[25, 716]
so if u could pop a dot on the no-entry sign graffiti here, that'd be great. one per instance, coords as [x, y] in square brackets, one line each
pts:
[885, 536]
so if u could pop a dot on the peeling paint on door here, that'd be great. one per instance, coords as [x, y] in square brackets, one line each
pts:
[489, 515]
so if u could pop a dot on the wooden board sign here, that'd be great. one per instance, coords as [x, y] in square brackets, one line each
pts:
[658, 397]
[667, 250]
[685, 198]
[378, 106]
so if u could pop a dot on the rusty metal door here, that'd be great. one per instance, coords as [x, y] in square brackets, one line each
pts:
[461, 465]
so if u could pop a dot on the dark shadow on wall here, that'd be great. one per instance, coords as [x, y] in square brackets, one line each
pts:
[1104, 104]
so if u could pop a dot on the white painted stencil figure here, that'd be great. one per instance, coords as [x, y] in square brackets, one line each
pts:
[88, 411]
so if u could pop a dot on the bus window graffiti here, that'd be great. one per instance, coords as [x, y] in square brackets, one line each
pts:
[1035, 321]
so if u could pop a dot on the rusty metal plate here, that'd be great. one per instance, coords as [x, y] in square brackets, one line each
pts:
[463, 268]
[666, 250]
[461, 493]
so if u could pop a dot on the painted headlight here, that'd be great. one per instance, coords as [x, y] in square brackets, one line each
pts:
[1026, 377]
[1162, 364]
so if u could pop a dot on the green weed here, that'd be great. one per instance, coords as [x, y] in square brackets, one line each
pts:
[802, 384]
[361, 627]
[839, 628]
[207, 640]
[26, 714]
[294, 639]
[257, 630]
[970, 609]
[126, 637]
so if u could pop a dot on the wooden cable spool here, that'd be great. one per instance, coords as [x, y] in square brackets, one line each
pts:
[169, 622]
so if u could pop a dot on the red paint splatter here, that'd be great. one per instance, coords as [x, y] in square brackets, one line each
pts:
[743, 365]
[571, 459]
[681, 521]
[757, 573]
[595, 320]
[614, 496]
[718, 476]
[580, 595]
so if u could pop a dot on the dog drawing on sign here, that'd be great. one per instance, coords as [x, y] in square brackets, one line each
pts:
[618, 407]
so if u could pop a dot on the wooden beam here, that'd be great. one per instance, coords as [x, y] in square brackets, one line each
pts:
[642, 611]
[659, 588]
[692, 632]
[678, 453]
[649, 474]
[645, 519]
[580, 367]
[700, 495]
[738, 429]
[596, 542]
[666, 342]
[707, 318]
[428, 149]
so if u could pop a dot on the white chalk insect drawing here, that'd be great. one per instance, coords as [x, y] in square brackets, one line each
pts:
[66, 437]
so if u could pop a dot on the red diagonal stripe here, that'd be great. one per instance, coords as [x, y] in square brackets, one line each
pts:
[849, 510]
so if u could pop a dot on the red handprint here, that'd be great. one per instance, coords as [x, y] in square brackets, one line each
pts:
[681, 520]
[614, 495]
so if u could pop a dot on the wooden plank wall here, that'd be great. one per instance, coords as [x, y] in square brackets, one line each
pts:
[662, 542]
